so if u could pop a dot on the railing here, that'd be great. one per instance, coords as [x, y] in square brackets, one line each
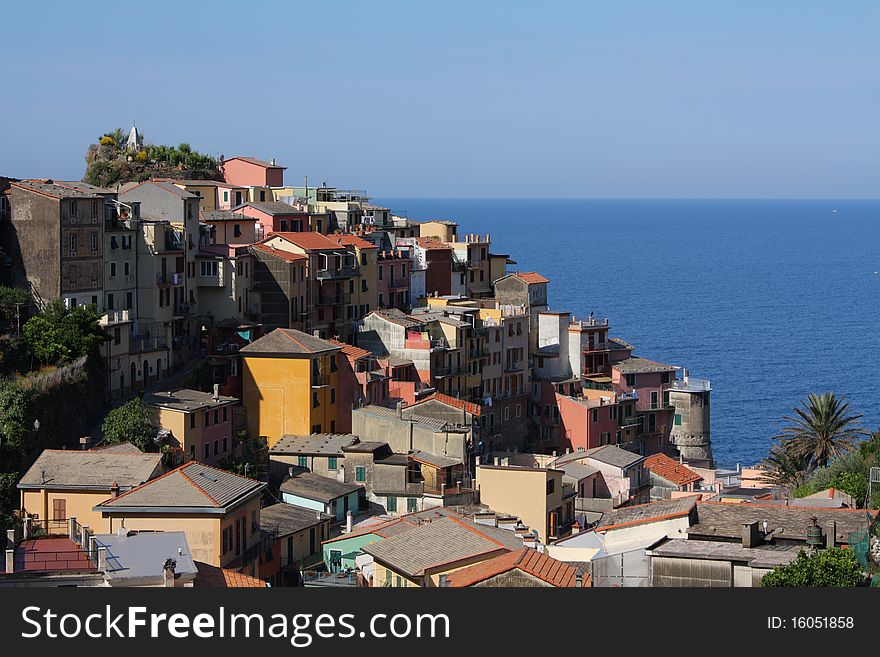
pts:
[323, 578]
[340, 272]
[320, 380]
[648, 405]
[331, 299]
[140, 344]
[397, 283]
[513, 366]
[693, 385]
[590, 322]
[117, 316]
[164, 278]
[627, 396]
[631, 421]
[449, 371]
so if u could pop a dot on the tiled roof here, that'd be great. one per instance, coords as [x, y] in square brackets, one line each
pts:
[351, 350]
[315, 487]
[254, 160]
[278, 253]
[184, 399]
[166, 187]
[391, 414]
[353, 240]
[531, 277]
[431, 243]
[316, 443]
[433, 459]
[393, 526]
[763, 556]
[56, 468]
[222, 578]
[192, 485]
[397, 316]
[527, 560]
[49, 188]
[286, 519]
[638, 514]
[637, 365]
[671, 470]
[434, 544]
[470, 407]
[725, 520]
[608, 454]
[288, 341]
[577, 470]
[271, 208]
[308, 241]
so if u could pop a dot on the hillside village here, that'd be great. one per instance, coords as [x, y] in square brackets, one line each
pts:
[343, 396]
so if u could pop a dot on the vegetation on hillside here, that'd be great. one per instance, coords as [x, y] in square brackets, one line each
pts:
[111, 162]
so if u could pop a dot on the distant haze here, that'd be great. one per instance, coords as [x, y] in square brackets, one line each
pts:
[745, 99]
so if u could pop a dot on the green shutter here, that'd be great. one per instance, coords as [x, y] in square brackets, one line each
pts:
[392, 503]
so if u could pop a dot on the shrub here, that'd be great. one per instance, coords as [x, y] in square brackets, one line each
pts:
[132, 422]
[833, 567]
[106, 140]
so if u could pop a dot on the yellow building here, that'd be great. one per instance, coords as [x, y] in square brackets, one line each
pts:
[364, 286]
[535, 495]
[419, 556]
[64, 484]
[217, 510]
[200, 423]
[289, 385]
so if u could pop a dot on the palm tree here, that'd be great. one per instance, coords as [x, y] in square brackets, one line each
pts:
[821, 430]
[782, 468]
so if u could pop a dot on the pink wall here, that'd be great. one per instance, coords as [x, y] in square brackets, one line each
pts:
[240, 172]
[578, 429]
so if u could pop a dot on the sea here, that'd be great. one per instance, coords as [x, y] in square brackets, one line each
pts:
[768, 299]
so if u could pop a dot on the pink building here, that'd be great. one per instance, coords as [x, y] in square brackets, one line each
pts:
[275, 217]
[251, 172]
[362, 381]
[649, 382]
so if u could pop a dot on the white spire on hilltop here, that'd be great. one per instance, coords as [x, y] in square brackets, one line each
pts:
[134, 139]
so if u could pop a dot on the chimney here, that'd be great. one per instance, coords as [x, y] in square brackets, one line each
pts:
[114, 489]
[168, 573]
[443, 581]
[216, 392]
[316, 333]
[751, 537]
[830, 534]
[102, 558]
[273, 161]
[579, 578]
[290, 471]
[831, 493]
[348, 522]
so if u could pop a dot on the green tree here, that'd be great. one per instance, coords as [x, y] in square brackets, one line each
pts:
[783, 468]
[59, 335]
[14, 404]
[833, 567]
[821, 430]
[132, 422]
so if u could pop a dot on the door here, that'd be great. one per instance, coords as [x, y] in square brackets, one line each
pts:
[59, 509]
[655, 399]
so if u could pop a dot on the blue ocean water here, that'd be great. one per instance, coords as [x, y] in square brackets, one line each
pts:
[770, 300]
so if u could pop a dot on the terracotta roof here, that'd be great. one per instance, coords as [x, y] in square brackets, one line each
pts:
[222, 578]
[254, 160]
[470, 407]
[531, 277]
[671, 470]
[636, 365]
[351, 350]
[353, 240]
[528, 560]
[309, 241]
[431, 243]
[279, 253]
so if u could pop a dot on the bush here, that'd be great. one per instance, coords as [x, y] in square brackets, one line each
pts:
[834, 567]
[106, 140]
[59, 335]
[141, 156]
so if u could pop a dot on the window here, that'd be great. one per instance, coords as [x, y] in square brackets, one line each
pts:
[507, 412]
[110, 301]
[207, 418]
[73, 208]
[73, 245]
[117, 335]
[363, 258]
[112, 270]
[207, 451]
[227, 540]
[519, 410]
[677, 420]
[192, 420]
[128, 299]
[594, 415]
[303, 461]
[363, 285]
[412, 504]
[331, 463]
[237, 198]
[380, 272]
[332, 395]
[631, 380]
[315, 402]
[94, 241]
[262, 195]
[126, 268]
[236, 230]
[216, 416]
[225, 413]
[216, 447]
[226, 196]
[192, 452]
[392, 504]
[225, 445]
[59, 509]
[551, 486]
[360, 474]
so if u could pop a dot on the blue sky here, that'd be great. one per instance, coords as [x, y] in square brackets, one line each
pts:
[730, 98]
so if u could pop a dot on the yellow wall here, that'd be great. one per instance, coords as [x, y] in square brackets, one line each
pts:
[520, 492]
[78, 504]
[277, 394]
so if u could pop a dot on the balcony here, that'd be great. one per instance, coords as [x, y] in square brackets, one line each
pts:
[142, 344]
[342, 298]
[320, 380]
[690, 384]
[117, 317]
[649, 405]
[513, 366]
[591, 322]
[631, 421]
[336, 274]
[398, 284]
[443, 372]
